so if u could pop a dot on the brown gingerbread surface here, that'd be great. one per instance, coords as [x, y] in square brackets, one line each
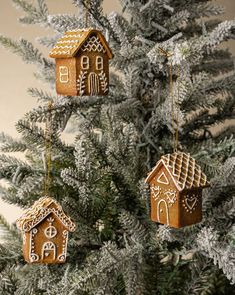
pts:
[45, 228]
[82, 63]
[176, 184]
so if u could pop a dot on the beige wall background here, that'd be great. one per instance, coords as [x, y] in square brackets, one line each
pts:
[16, 77]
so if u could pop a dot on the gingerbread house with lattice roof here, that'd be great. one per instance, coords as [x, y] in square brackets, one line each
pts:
[45, 228]
[176, 184]
[82, 63]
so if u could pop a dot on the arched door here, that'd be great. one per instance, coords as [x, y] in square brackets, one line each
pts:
[49, 250]
[94, 84]
[163, 212]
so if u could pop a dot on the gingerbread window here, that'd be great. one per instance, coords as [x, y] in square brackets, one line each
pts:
[85, 63]
[64, 74]
[50, 232]
[99, 63]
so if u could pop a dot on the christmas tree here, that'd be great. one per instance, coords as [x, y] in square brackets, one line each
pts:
[99, 179]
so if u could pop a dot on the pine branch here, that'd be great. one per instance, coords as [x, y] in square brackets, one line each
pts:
[34, 14]
[133, 227]
[26, 50]
[41, 95]
[64, 22]
[219, 184]
[9, 144]
[9, 235]
[36, 136]
[222, 255]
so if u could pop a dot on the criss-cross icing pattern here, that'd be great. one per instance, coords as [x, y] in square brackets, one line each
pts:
[39, 211]
[86, 39]
[93, 44]
[185, 170]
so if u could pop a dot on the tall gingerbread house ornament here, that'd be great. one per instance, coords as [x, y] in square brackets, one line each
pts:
[176, 184]
[45, 228]
[82, 63]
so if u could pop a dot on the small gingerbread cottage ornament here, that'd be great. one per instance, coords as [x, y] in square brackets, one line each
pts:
[176, 184]
[82, 63]
[45, 229]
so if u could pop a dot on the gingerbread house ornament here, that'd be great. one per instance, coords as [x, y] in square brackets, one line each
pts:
[45, 228]
[82, 63]
[176, 184]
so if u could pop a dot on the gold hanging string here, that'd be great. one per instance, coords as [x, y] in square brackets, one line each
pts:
[172, 104]
[177, 113]
[175, 117]
[87, 13]
[48, 145]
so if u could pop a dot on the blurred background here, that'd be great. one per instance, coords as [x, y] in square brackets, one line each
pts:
[16, 77]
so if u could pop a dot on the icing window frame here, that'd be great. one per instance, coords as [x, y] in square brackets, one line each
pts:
[85, 62]
[50, 232]
[64, 74]
[99, 63]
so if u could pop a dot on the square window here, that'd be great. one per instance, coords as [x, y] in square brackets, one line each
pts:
[99, 63]
[85, 63]
[64, 74]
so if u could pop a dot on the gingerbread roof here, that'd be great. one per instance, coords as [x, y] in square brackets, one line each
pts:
[185, 173]
[72, 41]
[39, 211]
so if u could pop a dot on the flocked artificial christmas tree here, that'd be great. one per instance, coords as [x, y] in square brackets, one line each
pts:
[99, 180]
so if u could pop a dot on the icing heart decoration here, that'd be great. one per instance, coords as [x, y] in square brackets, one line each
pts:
[47, 254]
[171, 196]
[191, 202]
[156, 192]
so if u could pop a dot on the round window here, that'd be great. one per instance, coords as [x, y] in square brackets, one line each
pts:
[50, 232]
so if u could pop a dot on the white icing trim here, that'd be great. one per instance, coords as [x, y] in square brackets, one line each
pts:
[30, 241]
[93, 44]
[33, 257]
[190, 207]
[155, 169]
[79, 30]
[50, 220]
[174, 180]
[64, 77]
[165, 181]
[81, 82]
[103, 80]
[62, 257]
[65, 46]
[99, 63]
[167, 211]
[34, 231]
[50, 232]
[85, 62]
[155, 192]
[171, 196]
[49, 246]
[66, 221]
[80, 36]
[67, 41]
[93, 84]
[60, 52]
